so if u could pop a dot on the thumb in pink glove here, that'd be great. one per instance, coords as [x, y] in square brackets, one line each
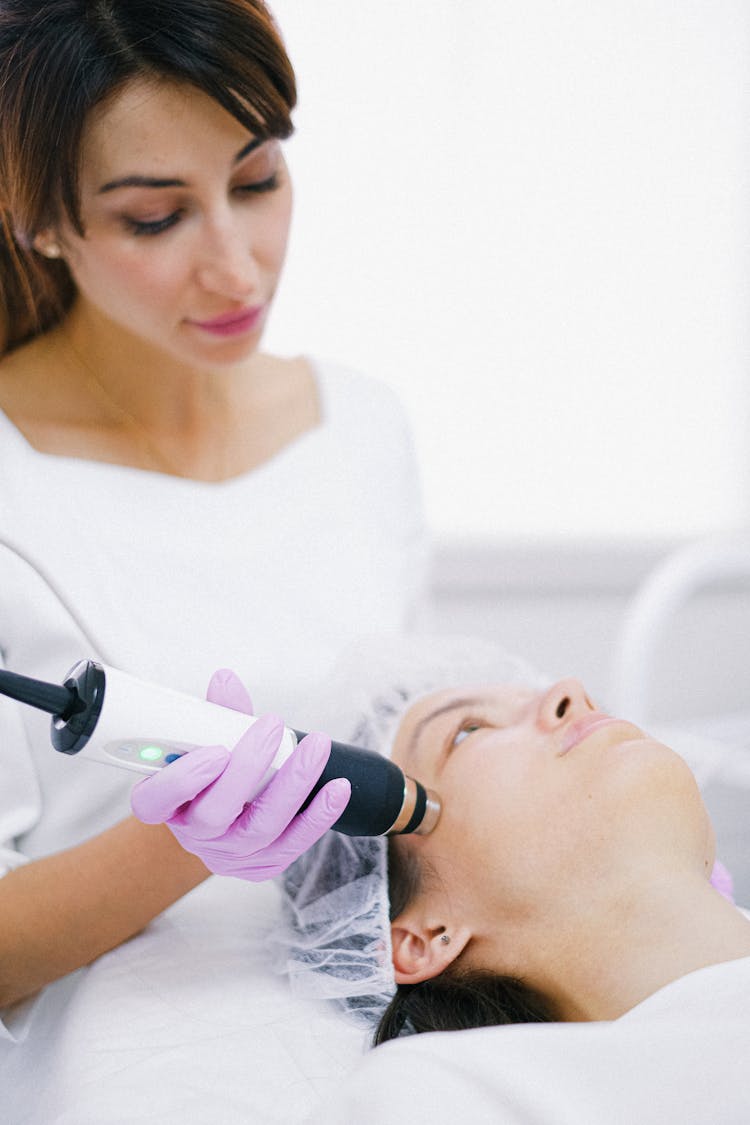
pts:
[721, 880]
[201, 796]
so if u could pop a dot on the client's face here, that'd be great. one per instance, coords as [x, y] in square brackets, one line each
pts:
[546, 801]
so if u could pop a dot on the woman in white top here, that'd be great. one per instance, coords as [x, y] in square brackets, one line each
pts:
[172, 499]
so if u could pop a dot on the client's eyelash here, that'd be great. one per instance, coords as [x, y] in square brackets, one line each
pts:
[468, 726]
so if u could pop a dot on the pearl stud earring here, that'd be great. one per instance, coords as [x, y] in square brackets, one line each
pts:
[47, 248]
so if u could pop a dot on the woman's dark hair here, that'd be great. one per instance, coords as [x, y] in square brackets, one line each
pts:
[61, 58]
[460, 997]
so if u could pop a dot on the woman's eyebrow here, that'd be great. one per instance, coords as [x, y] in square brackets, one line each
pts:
[154, 182]
[454, 705]
[249, 147]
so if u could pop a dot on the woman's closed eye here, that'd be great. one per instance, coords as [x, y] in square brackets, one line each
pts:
[151, 226]
[157, 226]
[269, 184]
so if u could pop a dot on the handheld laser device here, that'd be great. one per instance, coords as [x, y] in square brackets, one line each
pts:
[104, 715]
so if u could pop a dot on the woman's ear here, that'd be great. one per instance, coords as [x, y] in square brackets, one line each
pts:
[423, 947]
[47, 244]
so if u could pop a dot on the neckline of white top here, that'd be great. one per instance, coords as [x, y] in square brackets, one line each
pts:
[294, 446]
[714, 984]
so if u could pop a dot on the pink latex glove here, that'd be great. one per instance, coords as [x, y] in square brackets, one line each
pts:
[722, 881]
[201, 796]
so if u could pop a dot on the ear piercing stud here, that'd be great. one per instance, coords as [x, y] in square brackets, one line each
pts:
[445, 938]
[47, 249]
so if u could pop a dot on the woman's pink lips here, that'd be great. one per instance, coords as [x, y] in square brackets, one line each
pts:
[584, 727]
[232, 324]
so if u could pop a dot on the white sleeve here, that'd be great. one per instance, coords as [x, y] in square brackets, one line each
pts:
[20, 800]
[20, 805]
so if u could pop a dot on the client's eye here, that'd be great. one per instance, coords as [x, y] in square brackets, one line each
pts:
[463, 731]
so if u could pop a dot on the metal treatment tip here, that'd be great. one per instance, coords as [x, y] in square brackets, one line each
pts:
[431, 814]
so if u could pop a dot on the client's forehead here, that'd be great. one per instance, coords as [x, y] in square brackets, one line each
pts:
[468, 696]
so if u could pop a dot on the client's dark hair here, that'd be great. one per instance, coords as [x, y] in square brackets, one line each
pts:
[460, 997]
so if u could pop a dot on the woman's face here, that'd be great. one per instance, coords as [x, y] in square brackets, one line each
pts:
[186, 219]
[546, 800]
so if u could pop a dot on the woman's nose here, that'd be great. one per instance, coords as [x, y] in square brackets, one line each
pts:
[565, 700]
[227, 265]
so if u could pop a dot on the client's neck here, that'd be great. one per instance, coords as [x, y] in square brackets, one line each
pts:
[601, 969]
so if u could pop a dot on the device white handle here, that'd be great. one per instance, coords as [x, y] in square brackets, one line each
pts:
[143, 726]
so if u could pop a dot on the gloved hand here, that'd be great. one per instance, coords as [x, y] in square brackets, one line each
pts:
[722, 881]
[201, 796]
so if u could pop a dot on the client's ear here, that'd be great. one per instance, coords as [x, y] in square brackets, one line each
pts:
[424, 947]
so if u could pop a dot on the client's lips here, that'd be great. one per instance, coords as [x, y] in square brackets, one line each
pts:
[584, 727]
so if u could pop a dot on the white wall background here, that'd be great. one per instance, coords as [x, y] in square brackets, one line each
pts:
[532, 218]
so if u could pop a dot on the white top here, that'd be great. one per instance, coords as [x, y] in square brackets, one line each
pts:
[680, 1056]
[270, 573]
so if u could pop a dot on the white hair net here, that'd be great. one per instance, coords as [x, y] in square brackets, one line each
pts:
[335, 941]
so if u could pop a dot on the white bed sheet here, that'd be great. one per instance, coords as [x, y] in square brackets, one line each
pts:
[679, 1057]
[185, 1023]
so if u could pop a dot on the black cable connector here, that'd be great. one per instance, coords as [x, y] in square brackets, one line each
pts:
[55, 699]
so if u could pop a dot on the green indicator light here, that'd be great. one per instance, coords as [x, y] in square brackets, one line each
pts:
[151, 753]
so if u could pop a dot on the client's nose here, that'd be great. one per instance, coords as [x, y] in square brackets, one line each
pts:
[564, 701]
